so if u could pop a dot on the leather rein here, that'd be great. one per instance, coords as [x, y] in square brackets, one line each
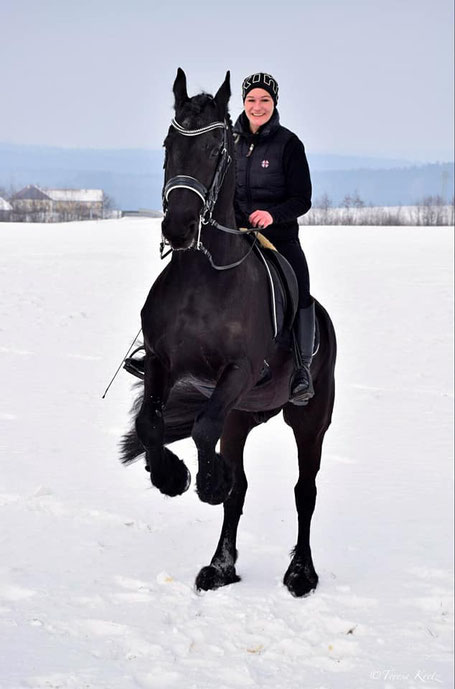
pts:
[208, 197]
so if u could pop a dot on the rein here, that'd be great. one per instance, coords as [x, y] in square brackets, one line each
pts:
[209, 197]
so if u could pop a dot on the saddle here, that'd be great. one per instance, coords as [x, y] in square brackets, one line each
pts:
[284, 291]
[284, 301]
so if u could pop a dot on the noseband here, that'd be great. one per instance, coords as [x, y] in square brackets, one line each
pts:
[208, 197]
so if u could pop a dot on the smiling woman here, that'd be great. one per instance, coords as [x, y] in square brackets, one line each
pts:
[273, 190]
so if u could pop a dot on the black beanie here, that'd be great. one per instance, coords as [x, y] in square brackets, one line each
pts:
[260, 80]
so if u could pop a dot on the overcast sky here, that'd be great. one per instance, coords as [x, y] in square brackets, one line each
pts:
[363, 77]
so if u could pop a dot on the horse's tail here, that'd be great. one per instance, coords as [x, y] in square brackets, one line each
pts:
[182, 407]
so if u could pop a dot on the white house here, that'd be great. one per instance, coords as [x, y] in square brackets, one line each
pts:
[35, 204]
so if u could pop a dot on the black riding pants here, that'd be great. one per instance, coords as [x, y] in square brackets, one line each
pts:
[293, 253]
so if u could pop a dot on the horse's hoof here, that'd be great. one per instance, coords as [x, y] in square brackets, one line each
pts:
[214, 484]
[171, 476]
[301, 578]
[210, 578]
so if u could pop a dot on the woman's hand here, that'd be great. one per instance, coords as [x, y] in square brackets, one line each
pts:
[261, 219]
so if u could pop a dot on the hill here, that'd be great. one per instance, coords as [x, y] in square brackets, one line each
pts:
[133, 177]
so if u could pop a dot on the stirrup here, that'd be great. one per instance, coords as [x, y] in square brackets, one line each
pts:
[135, 366]
[301, 393]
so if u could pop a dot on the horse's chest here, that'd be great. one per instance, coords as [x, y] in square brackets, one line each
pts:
[198, 311]
[217, 328]
[203, 333]
[200, 320]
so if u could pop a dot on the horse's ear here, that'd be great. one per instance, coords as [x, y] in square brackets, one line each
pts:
[224, 92]
[179, 88]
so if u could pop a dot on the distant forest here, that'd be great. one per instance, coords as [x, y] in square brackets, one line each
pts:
[133, 178]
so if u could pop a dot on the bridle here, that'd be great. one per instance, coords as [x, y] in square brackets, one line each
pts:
[208, 197]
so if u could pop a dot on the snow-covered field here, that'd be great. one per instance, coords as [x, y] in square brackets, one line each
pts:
[97, 568]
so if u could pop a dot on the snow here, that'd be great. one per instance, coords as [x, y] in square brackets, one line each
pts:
[97, 568]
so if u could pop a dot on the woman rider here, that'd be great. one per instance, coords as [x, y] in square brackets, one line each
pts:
[273, 190]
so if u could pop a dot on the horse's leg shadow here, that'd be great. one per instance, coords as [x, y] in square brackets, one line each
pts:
[167, 472]
[309, 425]
[221, 570]
[215, 476]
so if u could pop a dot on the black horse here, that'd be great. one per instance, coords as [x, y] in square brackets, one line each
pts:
[207, 332]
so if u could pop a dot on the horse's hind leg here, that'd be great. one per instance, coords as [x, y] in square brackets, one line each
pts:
[214, 478]
[221, 570]
[167, 472]
[309, 425]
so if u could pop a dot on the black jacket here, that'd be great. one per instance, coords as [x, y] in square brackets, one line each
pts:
[272, 175]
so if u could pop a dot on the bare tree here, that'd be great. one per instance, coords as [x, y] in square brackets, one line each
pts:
[324, 202]
[320, 214]
[108, 204]
[357, 201]
[347, 205]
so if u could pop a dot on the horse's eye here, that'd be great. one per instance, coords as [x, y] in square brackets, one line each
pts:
[214, 153]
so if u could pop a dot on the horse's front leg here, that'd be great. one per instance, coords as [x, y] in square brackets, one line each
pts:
[221, 570]
[214, 478]
[167, 472]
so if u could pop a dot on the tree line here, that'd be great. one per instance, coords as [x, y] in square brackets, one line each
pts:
[431, 210]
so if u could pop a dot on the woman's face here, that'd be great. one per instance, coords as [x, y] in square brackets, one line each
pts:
[259, 107]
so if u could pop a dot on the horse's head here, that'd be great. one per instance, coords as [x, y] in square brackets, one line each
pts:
[196, 159]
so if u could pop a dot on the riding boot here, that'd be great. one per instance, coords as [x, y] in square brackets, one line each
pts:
[304, 328]
[135, 366]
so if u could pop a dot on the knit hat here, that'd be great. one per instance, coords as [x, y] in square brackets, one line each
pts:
[260, 80]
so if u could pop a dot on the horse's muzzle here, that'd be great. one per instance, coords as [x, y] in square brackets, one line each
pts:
[180, 235]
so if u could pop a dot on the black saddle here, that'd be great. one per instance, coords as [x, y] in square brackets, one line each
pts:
[284, 292]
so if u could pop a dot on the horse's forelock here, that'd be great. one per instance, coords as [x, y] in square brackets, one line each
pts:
[202, 106]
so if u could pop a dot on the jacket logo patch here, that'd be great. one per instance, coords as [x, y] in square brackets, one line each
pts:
[265, 163]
